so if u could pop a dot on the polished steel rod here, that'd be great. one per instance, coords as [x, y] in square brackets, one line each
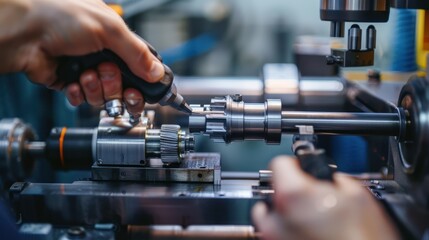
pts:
[386, 124]
[35, 149]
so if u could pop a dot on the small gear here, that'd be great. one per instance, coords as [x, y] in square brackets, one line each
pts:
[170, 143]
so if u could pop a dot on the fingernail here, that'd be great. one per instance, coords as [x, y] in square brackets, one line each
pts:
[133, 102]
[90, 83]
[157, 71]
[107, 75]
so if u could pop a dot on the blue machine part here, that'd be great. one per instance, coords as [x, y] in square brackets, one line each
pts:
[404, 41]
[350, 153]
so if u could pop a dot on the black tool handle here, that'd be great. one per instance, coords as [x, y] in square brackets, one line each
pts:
[71, 67]
[315, 163]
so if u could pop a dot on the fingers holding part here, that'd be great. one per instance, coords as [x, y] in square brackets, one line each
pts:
[91, 87]
[110, 78]
[74, 94]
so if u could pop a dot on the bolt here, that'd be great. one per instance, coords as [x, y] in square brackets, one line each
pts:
[375, 181]
[17, 187]
[134, 119]
[76, 232]
[332, 59]
[237, 98]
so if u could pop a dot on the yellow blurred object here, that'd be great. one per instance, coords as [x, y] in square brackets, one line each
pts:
[422, 37]
[117, 8]
[385, 76]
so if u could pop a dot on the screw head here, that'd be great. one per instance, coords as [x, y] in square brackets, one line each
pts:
[237, 98]
[76, 232]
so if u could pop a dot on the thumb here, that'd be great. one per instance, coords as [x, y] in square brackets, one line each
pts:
[290, 182]
[137, 55]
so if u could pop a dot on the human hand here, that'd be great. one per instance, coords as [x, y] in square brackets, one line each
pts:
[40, 31]
[306, 208]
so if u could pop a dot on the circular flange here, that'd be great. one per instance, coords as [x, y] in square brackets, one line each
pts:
[14, 163]
[355, 10]
[414, 99]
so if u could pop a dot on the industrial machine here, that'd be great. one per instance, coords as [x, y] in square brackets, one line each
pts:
[153, 183]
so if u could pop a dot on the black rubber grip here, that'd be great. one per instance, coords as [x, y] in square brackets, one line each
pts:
[315, 163]
[71, 67]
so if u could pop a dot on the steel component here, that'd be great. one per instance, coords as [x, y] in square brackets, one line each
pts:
[346, 58]
[15, 164]
[114, 108]
[355, 10]
[342, 11]
[371, 37]
[169, 143]
[35, 149]
[385, 124]
[194, 168]
[414, 99]
[229, 119]
[116, 142]
[175, 100]
[353, 56]
[337, 29]
[119, 143]
[140, 204]
[265, 176]
[354, 5]
[355, 38]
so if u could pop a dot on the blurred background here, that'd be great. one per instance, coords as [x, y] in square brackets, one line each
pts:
[203, 38]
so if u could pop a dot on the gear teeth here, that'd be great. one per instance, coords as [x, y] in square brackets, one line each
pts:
[216, 125]
[170, 143]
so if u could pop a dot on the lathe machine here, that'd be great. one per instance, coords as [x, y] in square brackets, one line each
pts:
[152, 183]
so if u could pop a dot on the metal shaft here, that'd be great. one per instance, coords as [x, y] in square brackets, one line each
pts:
[386, 124]
[230, 119]
[35, 149]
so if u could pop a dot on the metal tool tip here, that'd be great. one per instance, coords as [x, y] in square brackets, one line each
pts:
[186, 108]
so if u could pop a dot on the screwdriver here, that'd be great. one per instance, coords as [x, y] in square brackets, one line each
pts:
[163, 92]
